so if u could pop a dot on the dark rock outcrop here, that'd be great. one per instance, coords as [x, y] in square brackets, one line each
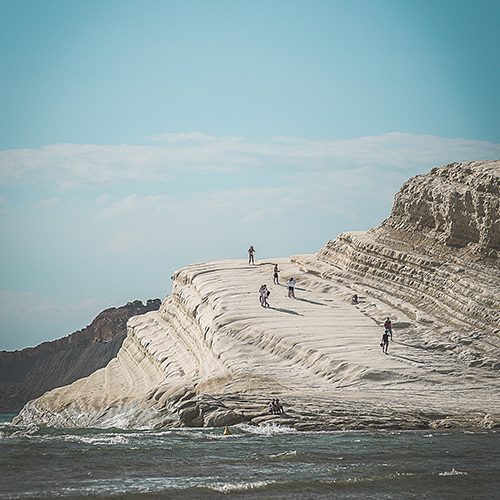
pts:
[28, 373]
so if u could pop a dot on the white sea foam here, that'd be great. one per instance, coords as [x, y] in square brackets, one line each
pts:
[267, 429]
[233, 487]
[453, 472]
[285, 454]
[99, 440]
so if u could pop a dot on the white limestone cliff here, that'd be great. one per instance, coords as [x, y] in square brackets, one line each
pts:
[212, 356]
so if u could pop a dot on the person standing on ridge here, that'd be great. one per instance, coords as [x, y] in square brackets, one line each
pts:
[388, 327]
[251, 251]
[291, 287]
[275, 275]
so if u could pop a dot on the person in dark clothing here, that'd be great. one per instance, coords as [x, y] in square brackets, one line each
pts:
[388, 327]
[279, 407]
[275, 275]
[270, 407]
[385, 342]
[251, 251]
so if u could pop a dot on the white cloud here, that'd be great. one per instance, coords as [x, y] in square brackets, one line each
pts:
[235, 201]
[69, 165]
[140, 222]
[47, 203]
[130, 205]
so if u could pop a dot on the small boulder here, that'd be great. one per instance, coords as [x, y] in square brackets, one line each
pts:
[221, 418]
[186, 415]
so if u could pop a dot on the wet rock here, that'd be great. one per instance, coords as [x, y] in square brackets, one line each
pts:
[221, 418]
[186, 415]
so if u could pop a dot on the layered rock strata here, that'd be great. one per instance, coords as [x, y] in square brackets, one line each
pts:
[435, 257]
[212, 356]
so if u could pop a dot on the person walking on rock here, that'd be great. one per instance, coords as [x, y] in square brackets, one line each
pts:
[276, 275]
[263, 295]
[291, 287]
[251, 251]
[388, 327]
[385, 342]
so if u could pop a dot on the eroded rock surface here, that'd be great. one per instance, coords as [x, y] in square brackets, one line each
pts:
[437, 253]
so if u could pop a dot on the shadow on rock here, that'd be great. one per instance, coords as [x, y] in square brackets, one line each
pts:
[289, 311]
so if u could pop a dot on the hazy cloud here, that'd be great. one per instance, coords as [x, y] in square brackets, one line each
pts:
[69, 165]
[21, 303]
[236, 202]
[47, 203]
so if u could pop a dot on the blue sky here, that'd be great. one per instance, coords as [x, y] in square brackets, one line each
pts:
[139, 136]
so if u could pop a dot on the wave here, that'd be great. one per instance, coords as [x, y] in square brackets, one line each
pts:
[453, 472]
[240, 486]
[284, 454]
[98, 440]
[10, 431]
[266, 430]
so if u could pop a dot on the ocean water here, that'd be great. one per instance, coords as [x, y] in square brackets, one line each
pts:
[254, 463]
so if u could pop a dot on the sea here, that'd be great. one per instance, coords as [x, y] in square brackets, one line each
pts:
[268, 462]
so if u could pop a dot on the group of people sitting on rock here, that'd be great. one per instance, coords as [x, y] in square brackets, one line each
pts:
[275, 407]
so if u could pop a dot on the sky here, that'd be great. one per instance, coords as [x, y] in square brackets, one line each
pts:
[137, 137]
